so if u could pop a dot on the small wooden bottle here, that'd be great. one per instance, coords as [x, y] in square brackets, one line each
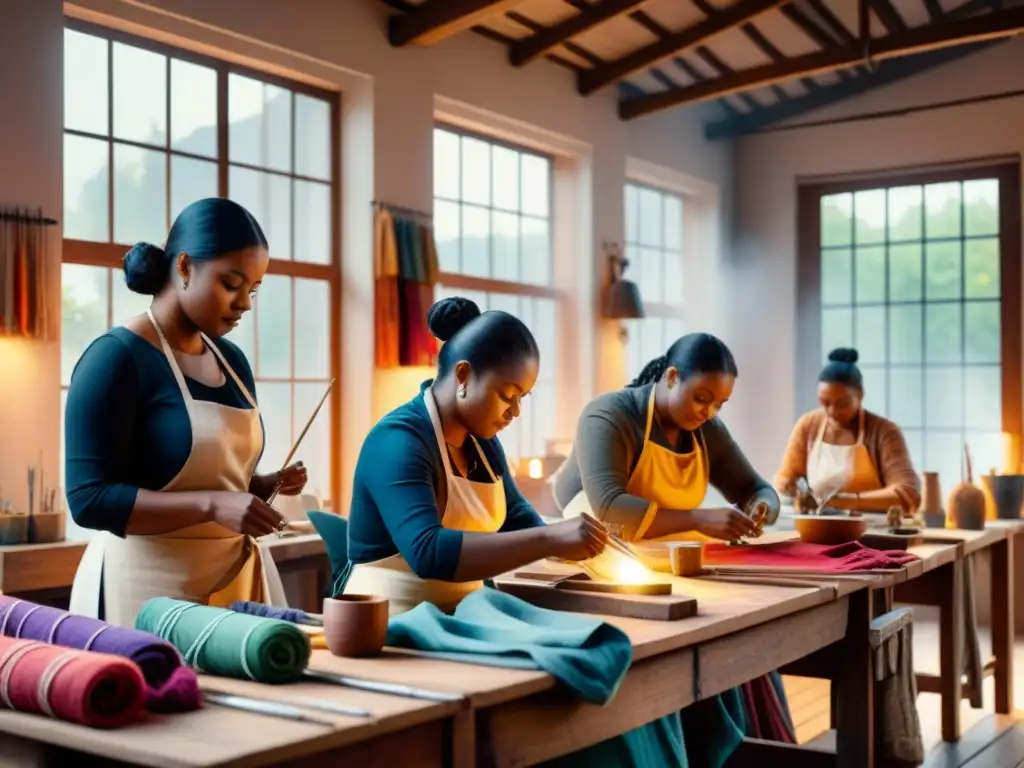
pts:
[966, 505]
[931, 501]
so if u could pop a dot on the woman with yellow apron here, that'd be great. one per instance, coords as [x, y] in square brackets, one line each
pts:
[642, 461]
[163, 433]
[840, 446]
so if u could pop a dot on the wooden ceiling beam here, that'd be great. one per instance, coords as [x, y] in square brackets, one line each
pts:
[523, 51]
[674, 43]
[932, 37]
[437, 20]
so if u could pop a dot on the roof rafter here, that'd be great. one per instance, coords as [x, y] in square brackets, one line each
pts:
[524, 51]
[991, 26]
[674, 43]
[437, 20]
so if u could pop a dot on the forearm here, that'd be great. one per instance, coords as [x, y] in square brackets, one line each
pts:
[158, 512]
[485, 555]
[670, 521]
[868, 501]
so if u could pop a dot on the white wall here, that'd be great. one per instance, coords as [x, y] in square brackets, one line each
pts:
[390, 100]
[762, 272]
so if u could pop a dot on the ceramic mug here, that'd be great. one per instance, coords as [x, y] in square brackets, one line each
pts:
[355, 625]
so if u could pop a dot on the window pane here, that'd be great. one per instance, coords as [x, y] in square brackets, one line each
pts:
[85, 83]
[836, 330]
[942, 210]
[125, 304]
[312, 137]
[942, 270]
[446, 164]
[274, 328]
[312, 329]
[140, 195]
[632, 214]
[870, 207]
[476, 241]
[543, 409]
[673, 222]
[505, 244]
[446, 235]
[906, 333]
[193, 108]
[506, 178]
[673, 277]
[983, 397]
[312, 222]
[651, 223]
[140, 95]
[981, 268]
[275, 402]
[942, 333]
[244, 336]
[259, 131]
[981, 207]
[870, 275]
[905, 272]
[266, 197]
[982, 332]
[315, 451]
[986, 452]
[906, 396]
[876, 385]
[536, 185]
[191, 180]
[836, 276]
[943, 453]
[652, 275]
[535, 251]
[836, 219]
[86, 189]
[944, 404]
[906, 206]
[83, 312]
[476, 171]
[870, 334]
[915, 444]
[545, 330]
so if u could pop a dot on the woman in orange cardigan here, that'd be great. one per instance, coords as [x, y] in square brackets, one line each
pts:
[841, 445]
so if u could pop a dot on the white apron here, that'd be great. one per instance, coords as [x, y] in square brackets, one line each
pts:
[203, 563]
[843, 468]
[472, 507]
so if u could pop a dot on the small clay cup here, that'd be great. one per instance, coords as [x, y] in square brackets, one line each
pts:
[687, 558]
[355, 625]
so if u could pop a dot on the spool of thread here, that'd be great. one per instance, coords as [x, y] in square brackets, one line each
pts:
[686, 557]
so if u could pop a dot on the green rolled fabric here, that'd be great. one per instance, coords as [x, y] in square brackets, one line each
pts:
[222, 642]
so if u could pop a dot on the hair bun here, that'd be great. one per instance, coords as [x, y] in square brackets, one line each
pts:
[448, 316]
[145, 269]
[843, 355]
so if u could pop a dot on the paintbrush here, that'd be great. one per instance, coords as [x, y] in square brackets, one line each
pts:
[298, 441]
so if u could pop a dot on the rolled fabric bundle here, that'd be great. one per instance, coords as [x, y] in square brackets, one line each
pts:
[293, 615]
[94, 689]
[171, 687]
[223, 642]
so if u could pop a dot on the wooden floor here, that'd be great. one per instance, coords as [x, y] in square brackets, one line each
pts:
[989, 741]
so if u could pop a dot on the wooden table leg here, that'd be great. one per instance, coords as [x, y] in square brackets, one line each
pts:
[854, 700]
[951, 645]
[1001, 574]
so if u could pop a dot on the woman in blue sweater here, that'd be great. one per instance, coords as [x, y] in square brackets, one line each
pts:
[163, 433]
[435, 510]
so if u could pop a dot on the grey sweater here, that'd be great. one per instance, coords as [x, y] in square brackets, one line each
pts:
[609, 438]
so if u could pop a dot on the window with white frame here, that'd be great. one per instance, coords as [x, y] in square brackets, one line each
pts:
[654, 248]
[149, 129]
[492, 223]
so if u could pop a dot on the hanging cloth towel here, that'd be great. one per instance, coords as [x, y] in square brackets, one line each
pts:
[714, 728]
[433, 266]
[587, 656]
[387, 321]
[223, 642]
[840, 558]
[767, 714]
[171, 687]
[896, 717]
[93, 689]
[972, 665]
[22, 282]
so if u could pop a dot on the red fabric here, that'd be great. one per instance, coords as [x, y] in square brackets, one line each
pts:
[764, 709]
[93, 689]
[840, 558]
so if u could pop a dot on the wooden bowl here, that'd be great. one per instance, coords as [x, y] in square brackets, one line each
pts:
[829, 529]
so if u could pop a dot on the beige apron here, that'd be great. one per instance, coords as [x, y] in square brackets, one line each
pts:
[845, 468]
[203, 563]
[664, 478]
[472, 507]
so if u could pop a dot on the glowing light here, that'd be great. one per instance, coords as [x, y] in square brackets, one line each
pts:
[535, 469]
[614, 566]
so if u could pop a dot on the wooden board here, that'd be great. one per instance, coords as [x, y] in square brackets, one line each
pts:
[886, 541]
[583, 583]
[653, 607]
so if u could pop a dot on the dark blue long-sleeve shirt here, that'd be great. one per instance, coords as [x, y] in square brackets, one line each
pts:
[399, 493]
[126, 427]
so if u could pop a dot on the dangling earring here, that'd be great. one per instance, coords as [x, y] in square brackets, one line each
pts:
[462, 391]
[184, 283]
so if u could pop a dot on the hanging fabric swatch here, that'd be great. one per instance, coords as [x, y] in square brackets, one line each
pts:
[24, 276]
[406, 270]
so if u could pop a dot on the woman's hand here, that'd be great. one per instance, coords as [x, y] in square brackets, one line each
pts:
[244, 513]
[292, 479]
[726, 523]
[803, 500]
[579, 538]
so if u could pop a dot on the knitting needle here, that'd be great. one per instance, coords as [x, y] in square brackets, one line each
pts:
[260, 707]
[322, 706]
[393, 689]
[302, 434]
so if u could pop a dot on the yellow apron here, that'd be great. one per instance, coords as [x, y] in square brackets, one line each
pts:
[847, 468]
[667, 480]
[203, 563]
[471, 507]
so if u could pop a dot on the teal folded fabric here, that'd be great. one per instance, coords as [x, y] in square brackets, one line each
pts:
[655, 745]
[588, 656]
[333, 529]
[713, 729]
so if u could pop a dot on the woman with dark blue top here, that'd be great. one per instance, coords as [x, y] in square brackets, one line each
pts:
[434, 508]
[163, 433]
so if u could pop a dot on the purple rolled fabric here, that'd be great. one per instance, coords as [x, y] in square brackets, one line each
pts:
[172, 687]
